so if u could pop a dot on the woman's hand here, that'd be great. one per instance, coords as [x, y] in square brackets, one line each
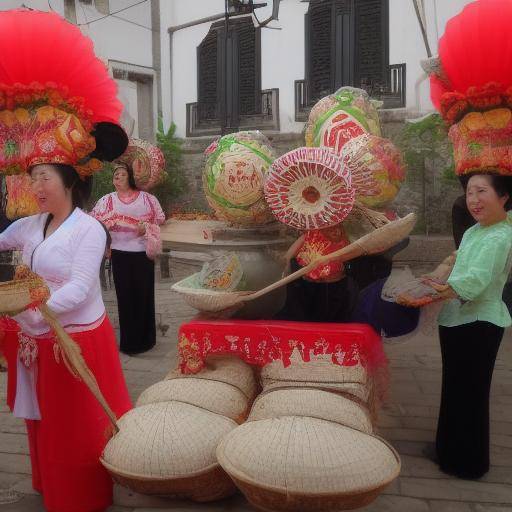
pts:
[445, 291]
[141, 229]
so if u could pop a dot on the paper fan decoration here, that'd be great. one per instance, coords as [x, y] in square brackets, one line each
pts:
[233, 177]
[224, 273]
[318, 243]
[21, 200]
[377, 169]
[309, 188]
[146, 161]
[340, 117]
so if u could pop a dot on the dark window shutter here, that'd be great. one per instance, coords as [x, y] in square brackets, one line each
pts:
[207, 76]
[320, 54]
[371, 38]
[249, 66]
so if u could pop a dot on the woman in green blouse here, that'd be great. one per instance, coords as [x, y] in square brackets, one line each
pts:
[471, 327]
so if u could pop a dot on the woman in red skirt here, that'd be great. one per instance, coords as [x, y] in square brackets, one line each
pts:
[57, 121]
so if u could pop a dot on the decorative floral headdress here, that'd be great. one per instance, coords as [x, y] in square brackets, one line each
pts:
[58, 103]
[471, 86]
[146, 161]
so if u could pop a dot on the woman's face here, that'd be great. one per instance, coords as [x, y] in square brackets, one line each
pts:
[120, 180]
[49, 189]
[483, 202]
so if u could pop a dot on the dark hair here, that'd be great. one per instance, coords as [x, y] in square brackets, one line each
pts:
[81, 188]
[129, 170]
[502, 185]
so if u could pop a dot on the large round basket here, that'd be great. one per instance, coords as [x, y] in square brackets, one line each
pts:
[228, 369]
[306, 464]
[169, 449]
[312, 403]
[217, 397]
[206, 300]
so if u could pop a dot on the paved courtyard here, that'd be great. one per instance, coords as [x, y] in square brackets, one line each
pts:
[408, 421]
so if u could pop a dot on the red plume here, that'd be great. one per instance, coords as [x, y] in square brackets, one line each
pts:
[476, 50]
[43, 48]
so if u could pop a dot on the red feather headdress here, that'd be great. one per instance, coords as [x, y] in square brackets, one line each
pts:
[472, 86]
[58, 103]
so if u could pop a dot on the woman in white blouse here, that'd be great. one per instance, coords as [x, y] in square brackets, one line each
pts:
[67, 428]
[132, 216]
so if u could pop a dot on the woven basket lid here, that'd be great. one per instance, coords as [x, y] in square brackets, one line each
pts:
[311, 403]
[309, 188]
[166, 440]
[361, 392]
[213, 396]
[146, 161]
[319, 369]
[228, 369]
[307, 456]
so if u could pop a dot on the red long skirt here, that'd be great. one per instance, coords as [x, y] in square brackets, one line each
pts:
[65, 445]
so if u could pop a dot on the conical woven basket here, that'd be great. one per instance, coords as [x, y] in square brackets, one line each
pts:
[211, 395]
[169, 449]
[311, 403]
[306, 465]
[227, 369]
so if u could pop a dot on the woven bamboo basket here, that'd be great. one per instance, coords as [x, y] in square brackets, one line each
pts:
[319, 369]
[228, 369]
[206, 300]
[168, 449]
[306, 464]
[361, 393]
[312, 403]
[377, 241]
[17, 295]
[211, 395]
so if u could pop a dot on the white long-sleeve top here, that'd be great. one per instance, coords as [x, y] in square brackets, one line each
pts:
[69, 261]
[122, 219]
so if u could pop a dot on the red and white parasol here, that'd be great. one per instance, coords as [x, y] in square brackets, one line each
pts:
[309, 188]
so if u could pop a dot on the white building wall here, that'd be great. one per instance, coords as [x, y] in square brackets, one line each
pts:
[282, 57]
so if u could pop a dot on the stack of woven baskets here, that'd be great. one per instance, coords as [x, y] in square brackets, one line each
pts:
[308, 443]
[166, 445]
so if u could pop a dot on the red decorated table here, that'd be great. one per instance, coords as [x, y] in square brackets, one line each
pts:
[262, 342]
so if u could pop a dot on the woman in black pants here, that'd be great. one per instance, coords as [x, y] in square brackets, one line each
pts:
[471, 328]
[127, 213]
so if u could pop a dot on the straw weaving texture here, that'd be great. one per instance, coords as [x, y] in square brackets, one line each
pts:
[307, 456]
[228, 369]
[311, 403]
[319, 369]
[213, 396]
[166, 440]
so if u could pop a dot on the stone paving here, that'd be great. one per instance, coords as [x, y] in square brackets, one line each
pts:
[408, 422]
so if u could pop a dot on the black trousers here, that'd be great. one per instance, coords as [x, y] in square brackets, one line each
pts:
[134, 279]
[469, 354]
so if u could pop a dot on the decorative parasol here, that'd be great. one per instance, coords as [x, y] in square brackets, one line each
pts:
[146, 161]
[340, 117]
[376, 167]
[309, 188]
[233, 177]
